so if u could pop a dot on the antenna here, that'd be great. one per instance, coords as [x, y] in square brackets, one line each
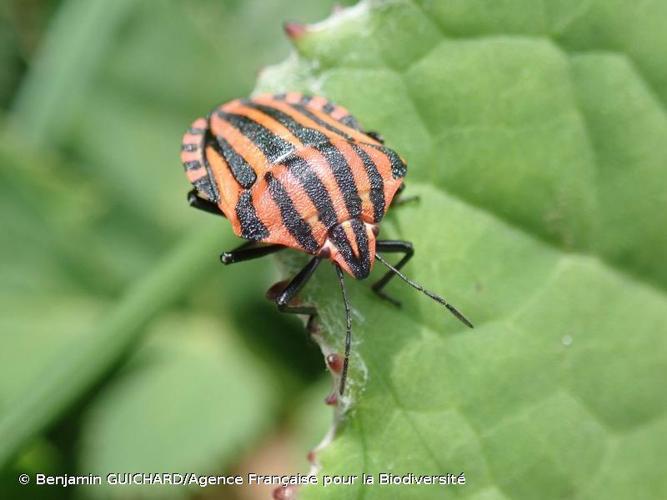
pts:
[432, 295]
[348, 335]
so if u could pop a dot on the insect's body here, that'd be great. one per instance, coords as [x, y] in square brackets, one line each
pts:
[295, 171]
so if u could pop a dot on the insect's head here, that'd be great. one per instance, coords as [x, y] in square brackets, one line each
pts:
[351, 244]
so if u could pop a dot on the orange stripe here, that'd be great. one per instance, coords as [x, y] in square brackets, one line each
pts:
[269, 123]
[350, 237]
[381, 161]
[390, 188]
[291, 97]
[338, 113]
[199, 123]
[227, 187]
[241, 144]
[361, 180]
[197, 139]
[299, 118]
[383, 165]
[302, 203]
[195, 175]
[356, 165]
[187, 156]
[229, 106]
[320, 166]
[317, 102]
[269, 213]
[315, 159]
[189, 138]
[307, 122]
[352, 132]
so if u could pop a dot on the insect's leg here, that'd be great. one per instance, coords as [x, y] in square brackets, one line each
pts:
[392, 246]
[400, 200]
[248, 251]
[285, 297]
[196, 201]
[375, 135]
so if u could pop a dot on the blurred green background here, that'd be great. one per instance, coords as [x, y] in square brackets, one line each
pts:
[536, 132]
[112, 358]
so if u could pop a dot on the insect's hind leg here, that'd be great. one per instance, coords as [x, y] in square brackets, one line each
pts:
[248, 251]
[196, 201]
[400, 199]
[392, 246]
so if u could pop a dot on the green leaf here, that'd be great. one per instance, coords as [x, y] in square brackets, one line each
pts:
[536, 138]
[86, 359]
[190, 399]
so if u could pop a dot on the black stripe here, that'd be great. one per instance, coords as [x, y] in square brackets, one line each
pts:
[204, 186]
[251, 227]
[360, 266]
[308, 136]
[305, 99]
[211, 179]
[271, 145]
[351, 122]
[337, 162]
[361, 236]
[344, 177]
[377, 184]
[398, 168]
[296, 226]
[328, 108]
[189, 147]
[191, 165]
[196, 130]
[241, 170]
[314, 188]
[306, 112]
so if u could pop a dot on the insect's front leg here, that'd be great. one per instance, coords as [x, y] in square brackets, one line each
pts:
[284, 295]
[284, 298]
[196, 201]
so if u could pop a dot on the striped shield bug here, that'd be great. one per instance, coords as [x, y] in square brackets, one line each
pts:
[297, 171]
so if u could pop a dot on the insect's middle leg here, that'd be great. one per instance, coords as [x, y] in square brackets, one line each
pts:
[248, 251]
[400, 200]
[196, 201]
[392, 246]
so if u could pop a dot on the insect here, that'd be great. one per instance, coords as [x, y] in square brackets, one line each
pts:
[297, 171]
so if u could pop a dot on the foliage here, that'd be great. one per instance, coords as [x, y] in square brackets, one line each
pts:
[535, 135]
[536, 138]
